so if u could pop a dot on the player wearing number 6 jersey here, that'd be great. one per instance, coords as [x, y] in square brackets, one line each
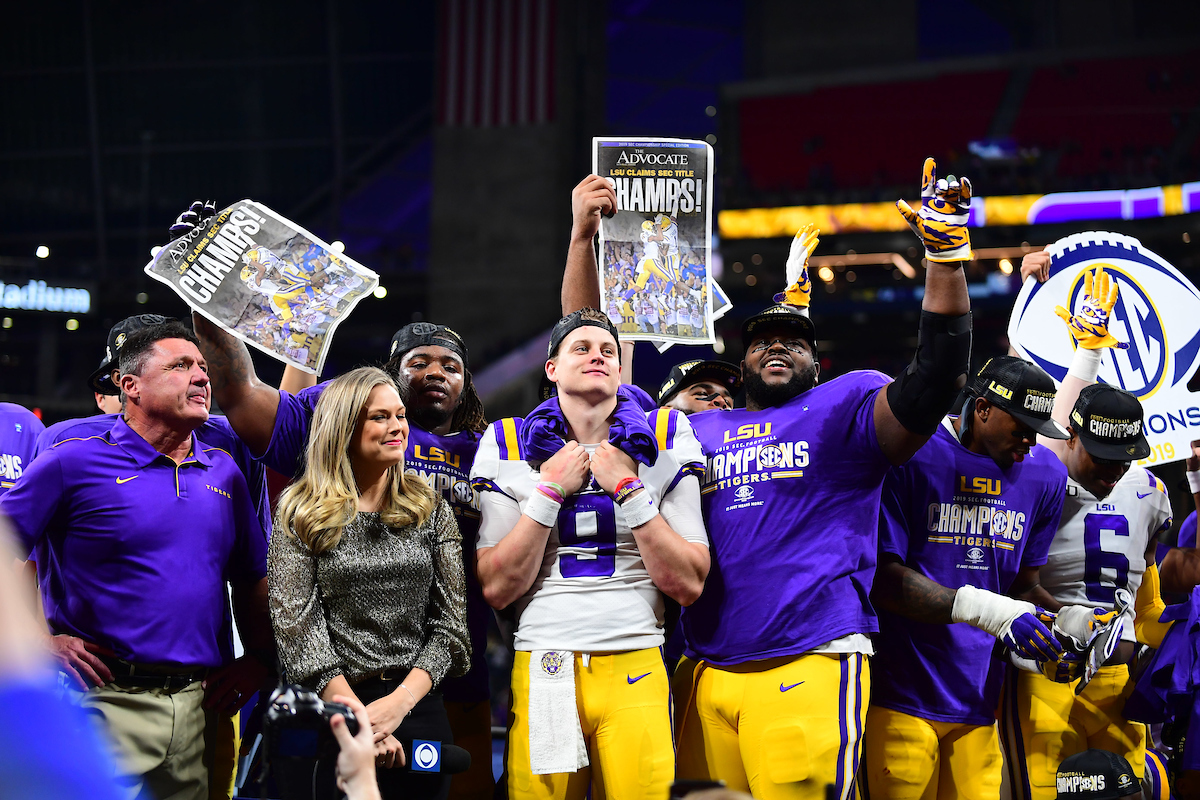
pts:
[590, 508]
[1105, 541]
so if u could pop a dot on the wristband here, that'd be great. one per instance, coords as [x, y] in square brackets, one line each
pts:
[1194, 480]
[626, 488]
[1085, 365]
[553, 491]
[541, 509]
[639, 510]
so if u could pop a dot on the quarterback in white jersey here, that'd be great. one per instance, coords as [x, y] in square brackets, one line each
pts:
[1106, 539]
[581, 538]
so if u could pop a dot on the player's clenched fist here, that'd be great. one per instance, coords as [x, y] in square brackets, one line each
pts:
[1036, 264]
[591, 198]
[941, 223]
[611, 465]
[569, 468]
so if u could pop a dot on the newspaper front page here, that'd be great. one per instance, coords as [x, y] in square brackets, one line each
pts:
[655, 265]
[266, 280]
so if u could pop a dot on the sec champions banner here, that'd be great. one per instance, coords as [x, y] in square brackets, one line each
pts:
[1157, 313]
[266, 280]
[655, 264]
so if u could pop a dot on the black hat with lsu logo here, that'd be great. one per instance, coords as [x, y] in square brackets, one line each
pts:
[1095, 775]
[424, 334]
[690, 372]
[1021, 389]
[781, 315]
[100, 381]
[1110, 423]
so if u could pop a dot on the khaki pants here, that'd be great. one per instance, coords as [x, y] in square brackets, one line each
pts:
[163, 741]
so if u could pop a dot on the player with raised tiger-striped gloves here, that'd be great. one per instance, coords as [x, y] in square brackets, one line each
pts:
[1107, 535]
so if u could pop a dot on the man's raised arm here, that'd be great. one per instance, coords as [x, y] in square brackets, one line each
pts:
[593, 197]
[910, 409]
[248, 403]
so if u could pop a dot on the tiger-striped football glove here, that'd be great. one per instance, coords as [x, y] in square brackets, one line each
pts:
[1064, 669]
[799, 284]
[1089, 327]
[942, 222]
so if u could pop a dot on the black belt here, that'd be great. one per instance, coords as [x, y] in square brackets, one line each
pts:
[126, 673]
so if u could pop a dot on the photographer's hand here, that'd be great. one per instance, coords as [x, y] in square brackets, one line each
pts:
[356, 761]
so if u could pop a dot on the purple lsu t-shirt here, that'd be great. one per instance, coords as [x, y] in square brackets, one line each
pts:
[1187, 531]
[960, 520]
[19, 431]
[444, 462]
[137, 549]
[791, 500]
[216, 432]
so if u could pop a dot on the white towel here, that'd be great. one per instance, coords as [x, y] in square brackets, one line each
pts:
[555, 737]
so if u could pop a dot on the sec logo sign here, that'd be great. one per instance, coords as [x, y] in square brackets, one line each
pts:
[1157, 313]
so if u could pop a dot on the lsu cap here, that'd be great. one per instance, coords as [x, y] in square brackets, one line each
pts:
[1021, 389]
[578, 319]
[780, 314]
[101, 380]
[1095, 775]
[1109, 422]
[690, 372]
[425, 334]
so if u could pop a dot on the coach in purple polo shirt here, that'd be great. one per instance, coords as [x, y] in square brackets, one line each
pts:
[139, 528]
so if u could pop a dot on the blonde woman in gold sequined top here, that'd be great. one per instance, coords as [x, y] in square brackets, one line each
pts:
[366, 579]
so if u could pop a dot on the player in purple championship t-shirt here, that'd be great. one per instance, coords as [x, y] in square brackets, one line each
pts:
[138, 528]
[19, 431]
[446, 420]
[774, 690]
[963, 529]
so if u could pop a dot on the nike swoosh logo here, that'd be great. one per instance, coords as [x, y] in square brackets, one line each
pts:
[635, 680]
[1143, 496]
[783, 688]
[127, 480]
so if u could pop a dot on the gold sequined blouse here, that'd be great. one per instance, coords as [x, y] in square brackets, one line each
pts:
[382, 598]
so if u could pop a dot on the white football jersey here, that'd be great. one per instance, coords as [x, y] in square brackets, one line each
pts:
[649, 246]
[1101, 545]
[670, 237]
[593, 593]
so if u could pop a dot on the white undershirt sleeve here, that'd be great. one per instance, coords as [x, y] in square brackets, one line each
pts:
[681, 509]
[500, 515]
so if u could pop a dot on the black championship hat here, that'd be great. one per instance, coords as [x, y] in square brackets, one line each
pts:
[780, 314]
[424, 334]
[689, 372]
[577, 319]
[1109, 422]
[1021, 389]
[101, 380]
[1095, 775]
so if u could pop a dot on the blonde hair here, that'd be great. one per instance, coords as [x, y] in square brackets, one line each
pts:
[317, 507]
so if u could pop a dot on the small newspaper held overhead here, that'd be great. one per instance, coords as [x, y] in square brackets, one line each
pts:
[655, 265]
[266, 280]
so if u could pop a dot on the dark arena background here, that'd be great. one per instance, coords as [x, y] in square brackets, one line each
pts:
[439, 142]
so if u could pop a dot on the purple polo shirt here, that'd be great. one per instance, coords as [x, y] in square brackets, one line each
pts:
[137, 549]
[19, 430]
[216, 432]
